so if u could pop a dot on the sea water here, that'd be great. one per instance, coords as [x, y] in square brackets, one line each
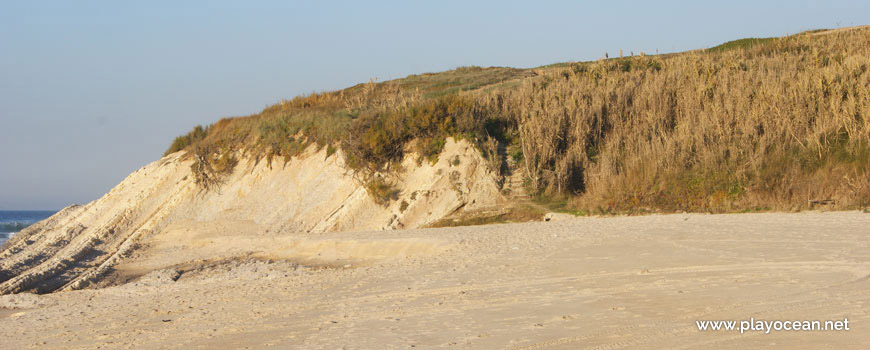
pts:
[12, 221]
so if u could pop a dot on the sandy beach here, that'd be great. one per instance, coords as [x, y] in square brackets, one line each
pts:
[314, 175]
[582, 283]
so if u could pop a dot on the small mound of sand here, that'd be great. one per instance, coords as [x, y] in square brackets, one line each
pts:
[244, 269]
[25, 301]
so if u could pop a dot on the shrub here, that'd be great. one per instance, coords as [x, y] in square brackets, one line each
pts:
[292, 132]
[197, 134]
[211, 164]
[381, 191]
[378, 139]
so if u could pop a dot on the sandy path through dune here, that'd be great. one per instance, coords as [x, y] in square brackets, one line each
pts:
[586, 283]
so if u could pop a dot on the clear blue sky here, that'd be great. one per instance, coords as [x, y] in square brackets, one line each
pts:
[92, 90]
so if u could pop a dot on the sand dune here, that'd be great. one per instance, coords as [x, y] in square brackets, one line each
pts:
[586, 283]
[311, 193]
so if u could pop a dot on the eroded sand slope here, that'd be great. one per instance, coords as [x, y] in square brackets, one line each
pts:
[585, 283]
[82, 245]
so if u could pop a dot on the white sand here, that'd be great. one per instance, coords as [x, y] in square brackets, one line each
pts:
[588, 283]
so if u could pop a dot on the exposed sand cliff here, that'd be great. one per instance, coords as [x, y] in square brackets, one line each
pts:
[310, 194]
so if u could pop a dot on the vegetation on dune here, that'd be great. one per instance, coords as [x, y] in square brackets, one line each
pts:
[744, 43]
[366, 121]
[211, 164]
[709, 131]
[194, 136]
[381, 190]
[378, 139]
[777, 123]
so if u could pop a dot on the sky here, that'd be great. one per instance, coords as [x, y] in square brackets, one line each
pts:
[90, 91]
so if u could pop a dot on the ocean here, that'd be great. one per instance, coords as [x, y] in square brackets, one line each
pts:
[12, 221]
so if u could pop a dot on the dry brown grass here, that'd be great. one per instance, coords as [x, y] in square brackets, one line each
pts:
[774, 123]
[211, 165]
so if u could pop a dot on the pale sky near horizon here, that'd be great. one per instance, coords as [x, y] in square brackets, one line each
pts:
[93, 90]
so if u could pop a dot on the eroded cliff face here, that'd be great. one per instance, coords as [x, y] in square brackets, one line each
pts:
[308, 195]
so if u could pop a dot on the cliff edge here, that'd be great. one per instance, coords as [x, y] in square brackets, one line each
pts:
[310, 194]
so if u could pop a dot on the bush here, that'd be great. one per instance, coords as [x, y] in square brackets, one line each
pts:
[381, 191]
[197, 134]
[291, 132]
[211, 164]
[378, 139]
